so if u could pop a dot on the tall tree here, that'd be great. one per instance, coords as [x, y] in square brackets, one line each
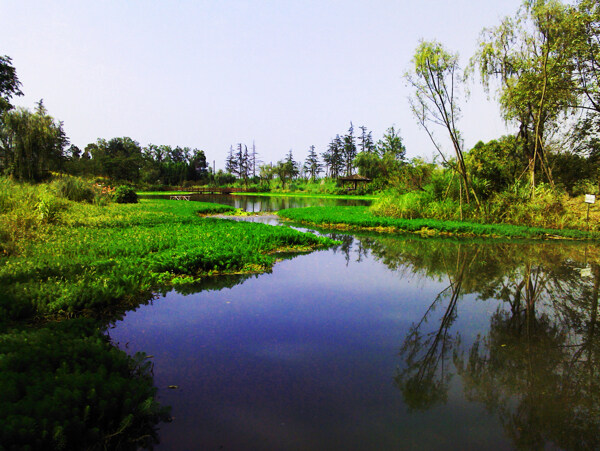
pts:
[312, 165]
[334, 158]
[435, 78]
[391, 144]
[527, 55]
[365, 141]
[31, 143]
[231, 166]
[349, 150]
[9, 83]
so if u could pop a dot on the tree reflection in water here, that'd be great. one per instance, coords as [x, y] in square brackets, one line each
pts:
[536, 368]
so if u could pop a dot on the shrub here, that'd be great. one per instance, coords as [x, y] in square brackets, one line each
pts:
[585, 186]
[74, 188]
[125, 194]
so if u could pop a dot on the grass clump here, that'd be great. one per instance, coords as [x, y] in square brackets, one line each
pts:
[362, 217]
[74, 188]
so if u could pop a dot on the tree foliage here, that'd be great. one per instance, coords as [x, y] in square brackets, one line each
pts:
[435, 78]
[31, 143]
[527, 54]
[9, 83]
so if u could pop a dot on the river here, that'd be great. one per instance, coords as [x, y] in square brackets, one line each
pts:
[383, 342]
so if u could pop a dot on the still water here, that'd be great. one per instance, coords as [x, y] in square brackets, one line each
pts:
[255, 204]
[384, 342]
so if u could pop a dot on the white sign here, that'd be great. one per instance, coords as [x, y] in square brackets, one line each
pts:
[590, 199]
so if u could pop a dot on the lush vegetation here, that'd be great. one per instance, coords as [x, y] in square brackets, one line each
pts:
[64, 386]
[84, 256]
[68, 251]
[362, 217]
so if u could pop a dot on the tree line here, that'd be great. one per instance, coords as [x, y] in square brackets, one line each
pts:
[345, 155]
[33, 144]
[542, 63]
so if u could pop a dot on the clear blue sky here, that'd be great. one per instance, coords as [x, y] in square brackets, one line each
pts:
[208, 74]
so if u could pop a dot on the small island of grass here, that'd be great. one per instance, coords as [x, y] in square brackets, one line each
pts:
[363, 218]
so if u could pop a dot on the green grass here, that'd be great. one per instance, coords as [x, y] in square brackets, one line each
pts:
[93, 258]
[361, 217]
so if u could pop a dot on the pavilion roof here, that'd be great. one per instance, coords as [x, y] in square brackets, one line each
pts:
[355, 178]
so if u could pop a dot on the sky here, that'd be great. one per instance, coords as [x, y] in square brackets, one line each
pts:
[208, 74]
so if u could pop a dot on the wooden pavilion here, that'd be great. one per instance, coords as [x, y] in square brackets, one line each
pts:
[355, 180]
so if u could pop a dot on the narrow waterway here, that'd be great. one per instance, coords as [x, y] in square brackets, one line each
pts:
[256, 204]
[383, 342]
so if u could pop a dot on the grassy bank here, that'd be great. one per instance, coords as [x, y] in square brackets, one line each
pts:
[361, 217]
[92, 258]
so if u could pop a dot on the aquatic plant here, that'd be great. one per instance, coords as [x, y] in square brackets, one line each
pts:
[64, 386]
[95, 258]
[362, 217]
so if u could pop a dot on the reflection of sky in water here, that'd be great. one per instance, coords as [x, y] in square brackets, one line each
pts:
[303, 358]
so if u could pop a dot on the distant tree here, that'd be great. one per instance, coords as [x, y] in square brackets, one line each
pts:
[387, 158]
[312, 164]
[266, 173]
[231, 165]
[392, 144]
[254, 161]
[9, 83]
[31, 143]
[118, 159]
[334, 157]
[365, 141]
[197, 166]
[286, 169]
[349, 150]
[293, 167]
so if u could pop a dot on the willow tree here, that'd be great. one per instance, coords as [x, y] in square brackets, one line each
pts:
[526, 53]
[31, 143]
[435, 77]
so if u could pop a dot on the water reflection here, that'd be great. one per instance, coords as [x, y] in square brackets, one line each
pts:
[388, 342]
[537, 366]
[256, 204]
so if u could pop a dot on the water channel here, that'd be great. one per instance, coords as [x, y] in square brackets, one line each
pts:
[256, 204]
[384, 342]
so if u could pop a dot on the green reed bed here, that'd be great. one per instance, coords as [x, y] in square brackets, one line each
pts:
[361, 217]
[94, 257]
